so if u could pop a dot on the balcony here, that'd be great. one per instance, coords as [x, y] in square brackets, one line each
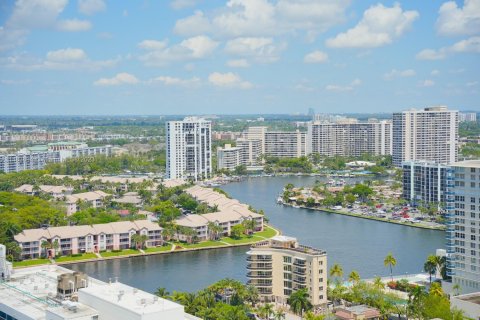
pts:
[259, 266]
[301, 280]
[258, 283]
[260, 259]
[263, 275]
[300, 263]
[300, 271]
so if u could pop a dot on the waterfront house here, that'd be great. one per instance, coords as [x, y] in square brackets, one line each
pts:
[91, 238]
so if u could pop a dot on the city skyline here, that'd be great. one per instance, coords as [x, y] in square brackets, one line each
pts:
[237, 57]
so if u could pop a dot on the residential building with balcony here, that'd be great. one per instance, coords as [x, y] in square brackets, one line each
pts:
[92, 198]
[424, 183]
[56, 192]
[229, 157]
[87, 238]
[282, 144]
[430, 134]
[189, 149]
[349, 137]
[467, 117]
[279, 266]
[463, 225]
[251, 151]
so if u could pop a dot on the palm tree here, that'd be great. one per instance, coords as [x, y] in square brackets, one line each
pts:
[168, 232]
[266, 310]
[430, 266]
[378, 283]
[162, 293]
[214, 230]
[299, 301]
[251, 294]
[249, 225]
[354, 277]
[391, 262]
[456, 289]
[336, 272]
[45, 246]
[279, 314]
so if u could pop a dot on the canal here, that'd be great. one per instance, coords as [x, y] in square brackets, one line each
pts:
[356, 244]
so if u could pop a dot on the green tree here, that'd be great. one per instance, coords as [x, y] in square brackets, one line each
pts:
[390, 262]
[337, 272]
[237, 231]
[354, 277]
[162, 293]
[299, 302]
[430, 266]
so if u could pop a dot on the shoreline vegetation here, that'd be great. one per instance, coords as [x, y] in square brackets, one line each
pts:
[172, 247]
[408, 224]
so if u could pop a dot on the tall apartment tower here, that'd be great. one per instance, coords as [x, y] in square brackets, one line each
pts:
[279, 266]
[425, 135]
[256, 133]
[463, 225]
[189, 149]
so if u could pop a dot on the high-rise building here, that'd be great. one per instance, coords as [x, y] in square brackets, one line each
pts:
[424, 182]
[348, 137]
[189, 149]
[279, 266]
[425, 135]
[251, 151]
[463, 225]
[283, 144]
[256, 133]
[467, 117]
[229, 157]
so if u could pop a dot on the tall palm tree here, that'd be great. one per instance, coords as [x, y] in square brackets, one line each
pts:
[266, 310]
[391, 262]
[299, 301]
[45, 245]
[337, 272]
[430, 266]
[354, 277]
[251, 294]
[279, 314]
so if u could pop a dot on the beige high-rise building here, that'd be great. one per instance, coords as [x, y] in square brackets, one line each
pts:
[256, 133]
[279, 266]
[251, 150]
[349, 137]
[282, 144]
[229, 157]
[425, 135]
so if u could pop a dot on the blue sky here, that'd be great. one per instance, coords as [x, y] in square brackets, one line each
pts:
[237, 56]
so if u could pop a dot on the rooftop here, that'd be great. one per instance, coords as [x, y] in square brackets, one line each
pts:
[467, 164]
[472, 297]
[288, 243]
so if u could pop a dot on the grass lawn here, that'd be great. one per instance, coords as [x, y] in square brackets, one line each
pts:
[84, 256]
[158, 249]
[242, 240]
[120, 253]
[27, 263]
[202, 244]
[266, 233]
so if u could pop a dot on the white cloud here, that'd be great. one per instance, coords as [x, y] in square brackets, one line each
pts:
[68, 54]
[453, 20]
[260, 49]
[430, 54]
[470, 45]
[472, 84]
[193, 25]
[119, 79]
[394, 73]
[379, 26]
[435, 72]
[258, 18]
[172, 81]
[339, 88]
[316, 57]
[426, 83]
[182, 4]
[158, 53]
[228, 80]
[27, 15]
[90, 7]
[239, 63]
[63, 59]
[74, 25]
[9, 82]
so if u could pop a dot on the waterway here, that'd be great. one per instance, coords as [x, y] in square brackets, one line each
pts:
[356, 244]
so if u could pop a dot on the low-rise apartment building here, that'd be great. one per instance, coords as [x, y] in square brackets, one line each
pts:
[56, 192]
[87, 238]
[92, 198]
[230, 213]
[229, 157]
[279, 266]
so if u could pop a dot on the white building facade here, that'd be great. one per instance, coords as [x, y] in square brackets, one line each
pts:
[463, 226]
[285, 144]
[425, 135]
[229, 157]
[189, 149]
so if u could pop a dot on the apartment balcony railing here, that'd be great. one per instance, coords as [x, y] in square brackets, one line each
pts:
[259, 266]
[260, 283]
[300, 263]
[253, 259]
[263, 275]
[299, 271]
